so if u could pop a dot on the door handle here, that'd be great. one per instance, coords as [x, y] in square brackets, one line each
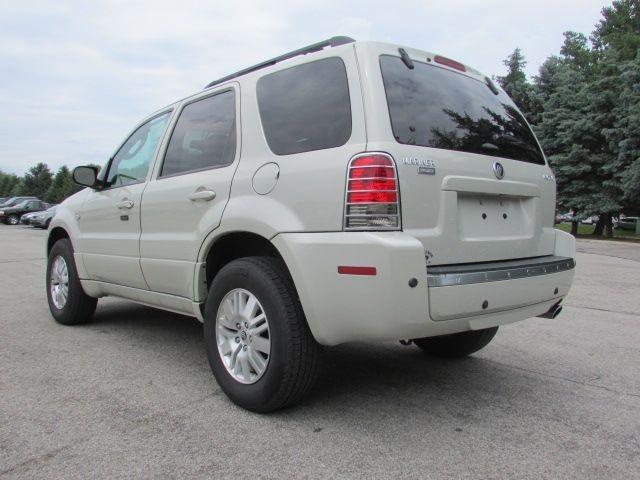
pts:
[205, 195]
[125, 204]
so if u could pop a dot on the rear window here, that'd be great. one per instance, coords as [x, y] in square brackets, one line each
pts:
[434, 107]
[306, 107]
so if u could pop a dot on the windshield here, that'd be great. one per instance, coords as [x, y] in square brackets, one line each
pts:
[434, 107]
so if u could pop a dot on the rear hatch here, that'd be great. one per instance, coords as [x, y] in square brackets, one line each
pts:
[474, 185]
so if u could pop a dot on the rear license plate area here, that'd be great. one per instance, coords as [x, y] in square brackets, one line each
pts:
[494, 216]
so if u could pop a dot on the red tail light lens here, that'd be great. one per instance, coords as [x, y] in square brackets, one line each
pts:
[372, 198]
[373, 184]
[373, 172]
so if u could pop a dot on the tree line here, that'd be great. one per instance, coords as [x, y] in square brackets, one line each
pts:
[584, 106]
[39, 182]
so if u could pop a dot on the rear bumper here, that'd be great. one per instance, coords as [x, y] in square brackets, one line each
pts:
[346, 307]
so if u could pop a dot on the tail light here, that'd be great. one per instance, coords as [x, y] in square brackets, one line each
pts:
[372, 199]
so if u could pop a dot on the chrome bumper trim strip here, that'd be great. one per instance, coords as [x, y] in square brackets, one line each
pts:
[444, 276]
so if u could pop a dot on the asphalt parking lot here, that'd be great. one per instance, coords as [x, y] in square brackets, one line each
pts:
[131, 395]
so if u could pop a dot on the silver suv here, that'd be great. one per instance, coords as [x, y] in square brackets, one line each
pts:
[347, 191]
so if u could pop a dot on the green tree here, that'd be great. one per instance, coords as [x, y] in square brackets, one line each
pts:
[61, 187]
[617, 41]
[619, 30]
[7, 183]
[589, 127]
[517, 86]
[36, 181]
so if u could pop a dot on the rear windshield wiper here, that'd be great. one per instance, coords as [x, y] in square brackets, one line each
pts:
[492, 86]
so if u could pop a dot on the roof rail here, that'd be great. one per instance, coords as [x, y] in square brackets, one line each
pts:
[316, 47]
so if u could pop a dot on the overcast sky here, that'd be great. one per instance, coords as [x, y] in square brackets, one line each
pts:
[76, 76]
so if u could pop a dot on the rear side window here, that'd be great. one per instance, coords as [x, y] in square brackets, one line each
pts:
[204, 136]
[435, 107]
[306, 107]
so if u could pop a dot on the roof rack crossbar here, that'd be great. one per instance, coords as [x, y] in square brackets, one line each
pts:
[332, 42]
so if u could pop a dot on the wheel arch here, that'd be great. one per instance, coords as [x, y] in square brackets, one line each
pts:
[230, 246]
[56, 233]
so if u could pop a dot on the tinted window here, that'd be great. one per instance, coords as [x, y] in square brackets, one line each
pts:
[131, 163]
[204, 136]
[306, 107]
[434, 107]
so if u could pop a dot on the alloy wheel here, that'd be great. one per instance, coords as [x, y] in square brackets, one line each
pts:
[59, 282]
[242, 336]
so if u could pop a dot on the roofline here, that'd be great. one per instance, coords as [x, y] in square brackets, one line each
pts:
[314, 47]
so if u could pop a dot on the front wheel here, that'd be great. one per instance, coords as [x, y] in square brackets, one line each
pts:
[68, 303]
[13, 219]
[258, 343]
[458, 344]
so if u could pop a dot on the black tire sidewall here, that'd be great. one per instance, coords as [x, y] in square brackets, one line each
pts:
[8, 221]
[68, 315]
[242, 274]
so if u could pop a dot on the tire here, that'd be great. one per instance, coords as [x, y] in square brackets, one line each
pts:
[13, 219]
[78, 307]
[294, 357]
[46, 224]
[457, 345]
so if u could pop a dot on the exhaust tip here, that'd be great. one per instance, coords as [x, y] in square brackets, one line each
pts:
[553, 311]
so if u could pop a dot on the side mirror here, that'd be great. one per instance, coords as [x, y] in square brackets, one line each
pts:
[85, 176]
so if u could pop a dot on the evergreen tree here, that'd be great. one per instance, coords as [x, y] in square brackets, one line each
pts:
[517, 86]
[36, 181]
[590, 125]
[617, 40]
[61, 187]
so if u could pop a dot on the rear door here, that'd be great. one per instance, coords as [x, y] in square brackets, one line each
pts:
[474, 184]
[186, 198]
[109, 219]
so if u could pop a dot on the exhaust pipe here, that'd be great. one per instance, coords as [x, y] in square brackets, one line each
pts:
[553, 311]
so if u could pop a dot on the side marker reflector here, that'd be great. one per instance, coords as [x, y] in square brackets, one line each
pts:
[347, 270]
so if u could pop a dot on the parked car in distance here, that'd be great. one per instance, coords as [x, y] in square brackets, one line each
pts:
[13, 201]
[626, 223]
[11, 215]
[590, 220]
[43, 219]
[26, 218]
[347, 191]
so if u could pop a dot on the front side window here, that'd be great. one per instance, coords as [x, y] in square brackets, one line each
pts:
[435, 107]
[204, 136]
[131, 163]
[306, 107]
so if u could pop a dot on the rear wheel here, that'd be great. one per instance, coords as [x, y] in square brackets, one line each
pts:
[68, 303]
[258, 343]
[456, 345]
[13, 219]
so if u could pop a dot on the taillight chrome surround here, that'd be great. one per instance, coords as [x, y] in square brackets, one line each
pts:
[375, 215]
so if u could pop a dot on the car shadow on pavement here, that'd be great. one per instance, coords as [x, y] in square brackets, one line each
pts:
[381, 376]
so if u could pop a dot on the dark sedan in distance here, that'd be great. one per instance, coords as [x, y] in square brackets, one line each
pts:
[11, 215]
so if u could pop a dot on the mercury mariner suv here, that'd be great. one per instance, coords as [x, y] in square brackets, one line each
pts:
[346, 191]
